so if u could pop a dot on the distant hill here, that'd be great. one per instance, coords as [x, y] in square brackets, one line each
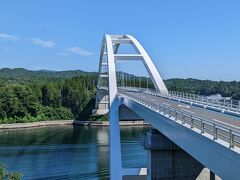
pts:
[21, 75]
[203, 87]
[21, 72]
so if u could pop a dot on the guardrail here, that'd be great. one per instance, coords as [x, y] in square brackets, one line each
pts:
[223, 104]
[218, 130]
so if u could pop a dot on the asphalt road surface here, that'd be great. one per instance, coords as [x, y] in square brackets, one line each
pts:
[190, 109]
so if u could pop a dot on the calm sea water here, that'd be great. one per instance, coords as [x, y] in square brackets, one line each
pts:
[67, 152]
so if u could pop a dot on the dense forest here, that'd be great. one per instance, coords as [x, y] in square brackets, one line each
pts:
[23, 99]
[27, 96]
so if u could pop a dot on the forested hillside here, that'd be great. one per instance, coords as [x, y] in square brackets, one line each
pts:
[205, 87]
[51, 99]
[27, 96]
[21, 75]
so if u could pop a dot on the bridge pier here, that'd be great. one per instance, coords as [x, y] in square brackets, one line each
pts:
[102, 102]
[168, 161]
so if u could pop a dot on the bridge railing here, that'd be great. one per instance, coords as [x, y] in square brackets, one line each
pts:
[219, 131]
[222, 104]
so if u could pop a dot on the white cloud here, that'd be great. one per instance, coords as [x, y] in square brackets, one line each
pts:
[79, 51]
[8, 37]
[62, 54]
[40, 42]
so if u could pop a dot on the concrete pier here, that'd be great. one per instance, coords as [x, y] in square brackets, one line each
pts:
[167, 161]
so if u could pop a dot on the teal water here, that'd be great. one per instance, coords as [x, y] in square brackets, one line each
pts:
[67, 152]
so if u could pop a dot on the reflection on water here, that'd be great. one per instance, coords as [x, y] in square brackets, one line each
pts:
[67, 152]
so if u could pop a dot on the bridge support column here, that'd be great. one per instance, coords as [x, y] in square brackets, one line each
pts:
[168, 161]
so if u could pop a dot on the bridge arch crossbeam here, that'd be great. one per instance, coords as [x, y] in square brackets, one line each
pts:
[108, 57]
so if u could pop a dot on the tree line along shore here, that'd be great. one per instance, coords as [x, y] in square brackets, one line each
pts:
[32, 96]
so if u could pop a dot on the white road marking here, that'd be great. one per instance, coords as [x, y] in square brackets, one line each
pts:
[183, 106]
[187, 111]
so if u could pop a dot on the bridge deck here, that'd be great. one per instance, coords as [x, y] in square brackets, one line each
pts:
[191, 109]
[216, 148]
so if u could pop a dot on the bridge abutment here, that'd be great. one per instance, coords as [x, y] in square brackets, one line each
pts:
[102, 103]
[168, 161]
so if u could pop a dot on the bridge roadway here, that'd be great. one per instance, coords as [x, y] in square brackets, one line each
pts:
[221, 127]
[189, 109]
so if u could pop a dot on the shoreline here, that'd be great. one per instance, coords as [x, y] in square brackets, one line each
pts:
[69, 122]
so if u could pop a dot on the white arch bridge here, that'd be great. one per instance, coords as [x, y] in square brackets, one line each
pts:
[193, 131]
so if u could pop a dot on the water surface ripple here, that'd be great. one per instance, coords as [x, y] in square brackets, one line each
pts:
[67, 152]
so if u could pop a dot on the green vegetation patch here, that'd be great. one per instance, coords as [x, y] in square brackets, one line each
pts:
[52, 100]
[6, 175]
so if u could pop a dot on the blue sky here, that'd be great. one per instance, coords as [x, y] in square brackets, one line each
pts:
[197, 39]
